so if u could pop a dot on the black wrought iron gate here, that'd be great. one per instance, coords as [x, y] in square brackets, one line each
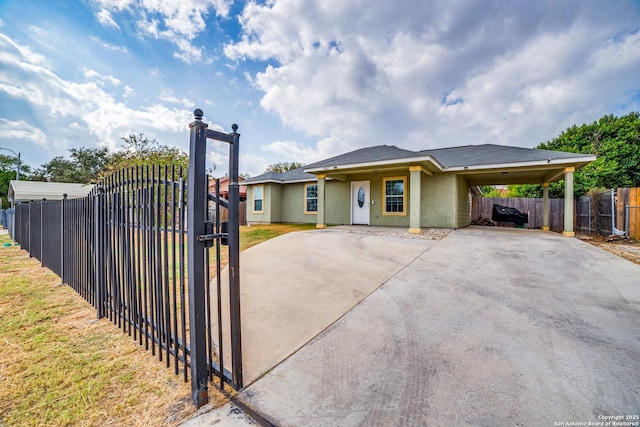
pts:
[139, 248]
[203, 233]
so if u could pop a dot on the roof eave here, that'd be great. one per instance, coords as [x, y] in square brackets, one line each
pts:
[557, 162]
[376, 163]
[283, 181]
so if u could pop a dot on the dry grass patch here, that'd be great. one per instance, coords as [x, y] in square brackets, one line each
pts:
[60, 366]
[628, 249]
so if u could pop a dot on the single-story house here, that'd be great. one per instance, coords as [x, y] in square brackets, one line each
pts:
[390, 186]
[27, 191]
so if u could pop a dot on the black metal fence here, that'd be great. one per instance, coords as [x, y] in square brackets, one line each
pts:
[127, 250]
[595, 213]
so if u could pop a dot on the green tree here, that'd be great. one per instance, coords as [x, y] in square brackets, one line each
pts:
[283, 166]
[83, 166]
[8, 166]
[138, 150]
[491, 191]
[616, 143]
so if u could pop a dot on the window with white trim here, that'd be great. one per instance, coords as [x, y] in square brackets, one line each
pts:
[258, 191]
[311, 198]
[394, 195]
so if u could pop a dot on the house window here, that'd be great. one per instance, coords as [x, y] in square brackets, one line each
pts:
[311, 198]
[258, 191]
[393, 193]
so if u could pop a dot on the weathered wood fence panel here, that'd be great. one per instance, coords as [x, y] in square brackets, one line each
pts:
[634, 213]
[593, 213]
[224, 213]
[482, 206]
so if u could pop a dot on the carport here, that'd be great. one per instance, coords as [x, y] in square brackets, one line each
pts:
[539, 171]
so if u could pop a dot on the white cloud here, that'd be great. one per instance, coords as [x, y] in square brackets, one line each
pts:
[177, 21]
[27, 76]
[127, 92]
[438, 73]
[252, 164]
[293, 151]
[110, 46]
[22, 130]
[29, 58]
[105, 18]
[170, 98]
[90, 74]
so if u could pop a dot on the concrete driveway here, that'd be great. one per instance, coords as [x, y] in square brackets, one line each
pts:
[295, 286]
[488, 327]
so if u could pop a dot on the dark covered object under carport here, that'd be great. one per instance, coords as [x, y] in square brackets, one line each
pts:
[507, 214]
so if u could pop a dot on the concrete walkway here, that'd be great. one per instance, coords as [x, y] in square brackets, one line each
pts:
[488, 326]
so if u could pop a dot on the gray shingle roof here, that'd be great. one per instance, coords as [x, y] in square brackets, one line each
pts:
[288, 176]
[468, 155]
[365, 155]
[491, 154]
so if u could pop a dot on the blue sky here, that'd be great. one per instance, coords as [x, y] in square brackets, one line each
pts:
[310, 79]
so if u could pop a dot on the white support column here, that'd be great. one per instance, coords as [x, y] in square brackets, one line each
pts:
[415, 199]
[320, 223]
[545, 206]
[568, 202]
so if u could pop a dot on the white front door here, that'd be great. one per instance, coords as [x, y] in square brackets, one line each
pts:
[360, 202]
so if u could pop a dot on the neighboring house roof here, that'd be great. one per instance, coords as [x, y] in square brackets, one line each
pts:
[23, 191]
[224, 187]
[443, 159]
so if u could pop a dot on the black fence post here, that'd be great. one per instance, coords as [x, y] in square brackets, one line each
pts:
[196, 209]
[62, 205]
[29, 234]
[42, 232]
[99, 236]
[234, 259]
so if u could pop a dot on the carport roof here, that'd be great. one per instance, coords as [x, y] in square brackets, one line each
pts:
[491, 154]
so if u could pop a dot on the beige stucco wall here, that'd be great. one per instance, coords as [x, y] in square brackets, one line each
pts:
[439, 201]
[293, 204]
[445, 202]
[338, 204]
[271, 204]
[463, 214]
[274, 193]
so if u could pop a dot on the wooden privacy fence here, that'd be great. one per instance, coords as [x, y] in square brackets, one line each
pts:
[224, 212]
[603, 212]
[482, 206]
[628, 211]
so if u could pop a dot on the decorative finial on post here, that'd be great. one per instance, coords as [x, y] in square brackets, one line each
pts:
[197, 113]
[234, 127]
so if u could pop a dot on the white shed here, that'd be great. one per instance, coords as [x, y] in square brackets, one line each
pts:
[26, 191]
